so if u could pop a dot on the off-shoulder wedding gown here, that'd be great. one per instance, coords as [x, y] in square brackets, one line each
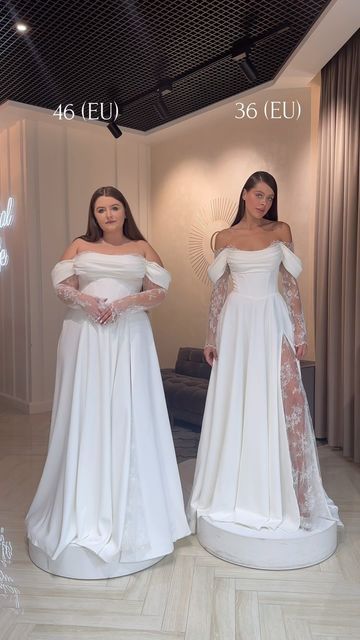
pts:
[110, 482]
[257, 462]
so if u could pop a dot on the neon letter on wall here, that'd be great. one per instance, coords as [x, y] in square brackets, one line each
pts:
[6, 220]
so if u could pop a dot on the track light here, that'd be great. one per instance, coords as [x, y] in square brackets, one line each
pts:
[240, 53]
[248, 68]
[165, 87]
[161, 108]
[240, 49]
[114, 129]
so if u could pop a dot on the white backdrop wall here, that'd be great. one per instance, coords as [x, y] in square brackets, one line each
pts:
[51, 169]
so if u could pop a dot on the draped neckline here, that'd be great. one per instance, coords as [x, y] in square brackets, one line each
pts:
[272, 244]
[112, 255]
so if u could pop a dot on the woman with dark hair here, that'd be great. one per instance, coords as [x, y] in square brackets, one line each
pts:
[109, 501]
[257, 462]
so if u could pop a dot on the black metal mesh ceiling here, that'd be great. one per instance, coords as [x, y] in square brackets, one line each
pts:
[97, 50]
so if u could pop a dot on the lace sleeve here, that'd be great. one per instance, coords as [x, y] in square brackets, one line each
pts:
[66, 284]
[291, 295]
[68, 291]
[151, 296]
[217, 300]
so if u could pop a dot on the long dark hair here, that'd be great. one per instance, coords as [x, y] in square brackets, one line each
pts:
[94, 231]
[251, 182]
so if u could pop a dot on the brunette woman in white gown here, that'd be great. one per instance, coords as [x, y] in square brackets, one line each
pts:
[110, 482]
[257, 461]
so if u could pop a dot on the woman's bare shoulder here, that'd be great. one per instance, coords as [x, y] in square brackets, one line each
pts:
[222, 239]
[283, 231]
[149, 252]
[73, 248]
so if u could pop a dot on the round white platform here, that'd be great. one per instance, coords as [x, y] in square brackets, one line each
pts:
[78, 562]
[266, 549]
[262, 549]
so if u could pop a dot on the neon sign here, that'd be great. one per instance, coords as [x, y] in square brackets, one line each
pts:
[4, 256]
[7, 216]
[6, 220]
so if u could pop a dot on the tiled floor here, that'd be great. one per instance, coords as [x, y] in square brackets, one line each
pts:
[189, 595]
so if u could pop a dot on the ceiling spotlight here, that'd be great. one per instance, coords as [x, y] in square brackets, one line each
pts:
[114, 129]
[165, 87]
[161, 108]
[21, 27]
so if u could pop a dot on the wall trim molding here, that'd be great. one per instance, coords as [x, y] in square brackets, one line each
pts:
[27, 407]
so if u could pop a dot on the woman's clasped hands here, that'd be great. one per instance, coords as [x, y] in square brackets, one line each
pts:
[113, 311]
[101, 311]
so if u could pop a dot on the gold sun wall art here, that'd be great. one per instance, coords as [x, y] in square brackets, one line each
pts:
[217, 215]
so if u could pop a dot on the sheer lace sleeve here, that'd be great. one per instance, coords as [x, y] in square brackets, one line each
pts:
[151, 296]
[289, 270]
[66, 285]
[218, 297]
[68, 291]
[155, 284]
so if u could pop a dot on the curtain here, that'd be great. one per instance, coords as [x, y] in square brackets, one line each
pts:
[337, 254]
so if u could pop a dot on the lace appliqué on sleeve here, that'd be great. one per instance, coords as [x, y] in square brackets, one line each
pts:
[68, 291]
[217, 300]
[151, 296]
[291, 295]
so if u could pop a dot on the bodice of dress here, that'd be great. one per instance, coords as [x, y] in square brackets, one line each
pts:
[254, 274]
[110, 276]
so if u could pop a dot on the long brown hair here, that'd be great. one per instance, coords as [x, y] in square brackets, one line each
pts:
[94, 231]
[251, 182]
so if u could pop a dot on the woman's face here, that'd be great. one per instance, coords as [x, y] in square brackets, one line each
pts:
[258, 200]
[109, 214]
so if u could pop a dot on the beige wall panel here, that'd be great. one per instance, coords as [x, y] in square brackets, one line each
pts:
[90, 159]
[13, 308]
[17, 264]
[6, 354]
[51, 169]
[189, 171]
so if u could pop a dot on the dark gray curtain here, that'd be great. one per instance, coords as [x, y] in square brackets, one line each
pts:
[337, 254]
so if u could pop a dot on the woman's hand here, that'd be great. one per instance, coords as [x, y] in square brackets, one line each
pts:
[93, 307]
[300, 350]
[151, 296]
[210, 354]
[113, 311]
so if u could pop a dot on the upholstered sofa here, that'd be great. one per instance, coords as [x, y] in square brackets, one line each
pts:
[186, 385]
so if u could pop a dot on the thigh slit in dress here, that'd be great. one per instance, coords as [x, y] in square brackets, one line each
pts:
[257, 462]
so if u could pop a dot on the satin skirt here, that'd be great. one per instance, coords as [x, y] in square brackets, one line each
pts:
[110, 481]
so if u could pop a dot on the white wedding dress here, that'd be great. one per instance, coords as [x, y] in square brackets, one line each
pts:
[110, 482]
[257, 461]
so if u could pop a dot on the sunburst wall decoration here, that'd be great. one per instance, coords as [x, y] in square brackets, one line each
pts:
[219, 214]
